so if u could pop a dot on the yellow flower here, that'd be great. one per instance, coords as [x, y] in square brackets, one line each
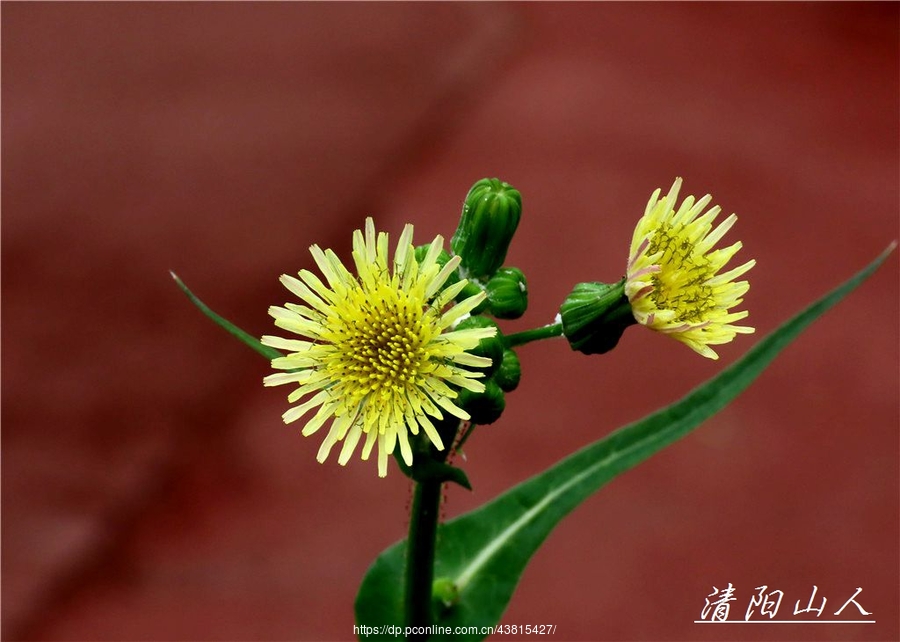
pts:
[378, 353]
[672, 280]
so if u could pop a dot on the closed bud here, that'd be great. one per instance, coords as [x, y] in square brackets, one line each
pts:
[490, 216]
[595, 315]
[509, 372]
[483, 407]
[507, 293]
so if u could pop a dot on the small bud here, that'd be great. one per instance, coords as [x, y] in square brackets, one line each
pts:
[507, 293]
[509, 373]
[489, 219]
[492, 347]
[595, 315]
[445, 590]
[483, 407]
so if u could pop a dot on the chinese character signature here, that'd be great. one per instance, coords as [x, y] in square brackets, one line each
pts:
[766, 603]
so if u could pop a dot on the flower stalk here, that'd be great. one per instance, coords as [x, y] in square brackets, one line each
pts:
[423, 521]
[429, 471]
[535, 334]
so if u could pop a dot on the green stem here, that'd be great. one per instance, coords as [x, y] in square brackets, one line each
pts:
[420, 546]
[527, 336]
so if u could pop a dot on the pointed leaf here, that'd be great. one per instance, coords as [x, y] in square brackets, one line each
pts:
[228, 326]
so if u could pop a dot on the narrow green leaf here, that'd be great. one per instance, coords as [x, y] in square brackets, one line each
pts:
[228, 326]
[484, 552]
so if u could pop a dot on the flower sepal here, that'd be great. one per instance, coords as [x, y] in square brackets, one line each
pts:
[429, 463]
[424, 468]
[595, 315]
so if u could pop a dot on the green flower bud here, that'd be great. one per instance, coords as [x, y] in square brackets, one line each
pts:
[483, 407]
[489, 219]
[507, 293]
[595, 315]
[492, 347]
[509, 372]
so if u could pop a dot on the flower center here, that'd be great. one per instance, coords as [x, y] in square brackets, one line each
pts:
[680, 285]
[381, 343]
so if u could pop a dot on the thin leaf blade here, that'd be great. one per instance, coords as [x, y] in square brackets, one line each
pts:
[225, 324]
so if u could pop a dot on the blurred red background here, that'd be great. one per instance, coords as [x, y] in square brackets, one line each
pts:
[150, 489]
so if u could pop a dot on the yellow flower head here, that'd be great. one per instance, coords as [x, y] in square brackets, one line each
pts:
[378, 353]
[672, 280]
